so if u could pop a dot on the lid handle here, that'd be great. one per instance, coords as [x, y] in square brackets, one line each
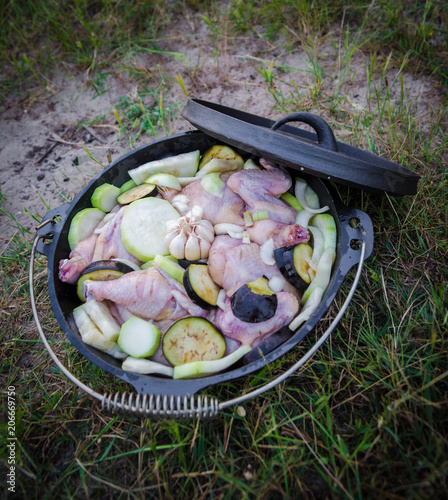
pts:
[325, 135]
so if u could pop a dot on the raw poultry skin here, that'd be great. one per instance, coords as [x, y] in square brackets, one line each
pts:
[103, 246]
[229, 208]
[146, 294]
[247, 333]
[260, 188]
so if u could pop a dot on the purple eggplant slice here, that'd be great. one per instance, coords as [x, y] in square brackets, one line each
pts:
[254, 302]
[200, 287]
[293, 264]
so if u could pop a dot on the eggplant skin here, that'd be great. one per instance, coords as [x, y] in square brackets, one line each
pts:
[253, 307]
[200, 287]
[284, 258]
[101, 270]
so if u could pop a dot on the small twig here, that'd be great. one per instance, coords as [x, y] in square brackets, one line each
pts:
[47, 152]
[94, 134]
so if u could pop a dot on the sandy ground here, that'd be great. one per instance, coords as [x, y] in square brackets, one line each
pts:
[43, 163]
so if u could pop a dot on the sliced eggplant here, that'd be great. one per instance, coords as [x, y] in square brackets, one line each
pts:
[193, 339]
[200, 287]
[136, 193]
[293, 264]
[101, 270]
[220, 152]
[254, 302]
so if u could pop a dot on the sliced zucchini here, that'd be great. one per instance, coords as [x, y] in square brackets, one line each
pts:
[292, 262]
[83, 225]
[101, 270]
[127, 186]
[200, 287]
[139, 338]
[99, 313]
[105, 197]
[137, 193]
[254, 302]
[164, 180]
[220, 152]
[170, 267]
[183, 165]
[204, 368]
[143, 228]
[193, 339]
[146, 366]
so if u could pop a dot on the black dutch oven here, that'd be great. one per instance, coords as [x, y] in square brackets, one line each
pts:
[318, 158]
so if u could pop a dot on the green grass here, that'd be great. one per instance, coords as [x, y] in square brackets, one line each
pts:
[367, 416]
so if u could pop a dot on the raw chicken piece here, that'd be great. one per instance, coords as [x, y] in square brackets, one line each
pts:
[217, 257]
[234, 264]
[109, 245]
[260, 188]
[229, 208]
[146, 294]
[282, 234]
[80, 257]
[245, 332]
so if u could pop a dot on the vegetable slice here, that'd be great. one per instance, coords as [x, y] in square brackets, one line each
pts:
[164, 180]
[105, 197]
[145, 366]
[136, 193]
[101, 270]
[254, 302]
[204, 368]
[293, 262]
[200, 287]
[183, 165]
[193, 339]
[127, 186]
[90, 333]
[139, 338]
[171, 267]
[143, 228]
[220, 152]
[83, 225]
[99, 313]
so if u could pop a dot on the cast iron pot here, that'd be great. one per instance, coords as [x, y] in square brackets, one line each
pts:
[163, 397]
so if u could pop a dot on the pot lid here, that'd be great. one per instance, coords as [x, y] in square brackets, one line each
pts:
[316, 153]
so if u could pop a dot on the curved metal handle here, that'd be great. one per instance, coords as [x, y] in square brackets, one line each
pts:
[325, 136]
[170, 406]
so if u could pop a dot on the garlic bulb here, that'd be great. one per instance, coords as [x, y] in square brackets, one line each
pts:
[190, 237]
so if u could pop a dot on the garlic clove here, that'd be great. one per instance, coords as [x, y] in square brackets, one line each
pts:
[204, 246]
[177, 246]
[204, 232]
[170, 237]
[192, 248]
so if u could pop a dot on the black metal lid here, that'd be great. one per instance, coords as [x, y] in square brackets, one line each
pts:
[318, 154]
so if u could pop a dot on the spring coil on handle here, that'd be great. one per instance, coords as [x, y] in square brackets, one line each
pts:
[175, 407]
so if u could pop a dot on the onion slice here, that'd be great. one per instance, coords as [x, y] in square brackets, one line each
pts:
[267, 252]
[300, 195]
